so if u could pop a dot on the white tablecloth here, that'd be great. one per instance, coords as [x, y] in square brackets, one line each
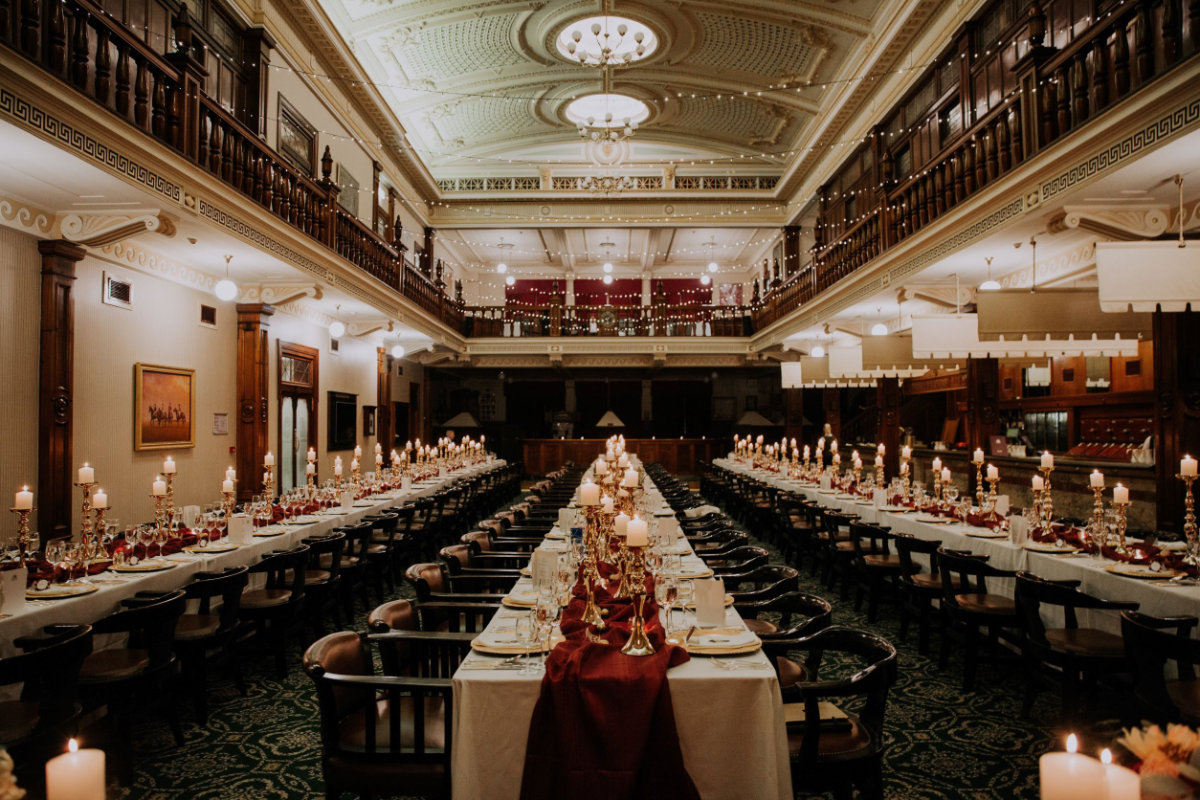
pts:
[730, 723]
[104, 601]
[1157, 597]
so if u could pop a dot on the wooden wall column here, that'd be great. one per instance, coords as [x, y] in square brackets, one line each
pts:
[983, 399]
[254, 395]
[793, 417]
[791, 251]
[887, 393]
[426, 265]
[56, 387]
[1176, 409]
[383, 408]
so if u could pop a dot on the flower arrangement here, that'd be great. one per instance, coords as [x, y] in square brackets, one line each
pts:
[1169, 760]
[8, 783]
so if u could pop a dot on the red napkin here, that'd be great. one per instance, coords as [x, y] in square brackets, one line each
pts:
[604, 726]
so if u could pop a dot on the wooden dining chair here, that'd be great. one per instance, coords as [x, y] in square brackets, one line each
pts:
[876, 567]
[206, 636]
[920, 591]
[972, 609]
[323, 593]
[834, 749]
[1155, 644]
[274, 611]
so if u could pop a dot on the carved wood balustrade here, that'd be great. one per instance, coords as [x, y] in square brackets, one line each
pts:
[562, 320]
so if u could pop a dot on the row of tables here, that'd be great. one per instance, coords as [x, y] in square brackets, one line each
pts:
[1160, 597]
[115, 588]
[728, 711]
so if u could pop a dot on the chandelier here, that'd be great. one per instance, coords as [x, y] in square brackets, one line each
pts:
[606, 40]
[606, 117]
[606, 130]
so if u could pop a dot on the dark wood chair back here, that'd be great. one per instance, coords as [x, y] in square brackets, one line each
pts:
[1034, 592]
[1153, 644]
[45, 678]
[226, 585]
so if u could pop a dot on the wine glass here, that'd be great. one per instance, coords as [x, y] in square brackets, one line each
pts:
[670, 586]
[526, 636]
[545, 614]
[686, 594]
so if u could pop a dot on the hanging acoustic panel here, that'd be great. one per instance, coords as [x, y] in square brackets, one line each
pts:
[957, 336]
[1144, 276]
[1057, 313]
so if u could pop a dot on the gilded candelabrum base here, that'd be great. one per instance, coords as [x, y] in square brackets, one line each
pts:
[1097, 526]
[1047, 499]
[23, 536]
[1121, 509]
[1189, 522]
[979, 485]
[639, 643]
[85, 532]
[991, 495]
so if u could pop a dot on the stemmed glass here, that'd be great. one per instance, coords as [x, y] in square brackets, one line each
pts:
[667, 591]
[687, 594]
[526, 636]
[545, 614]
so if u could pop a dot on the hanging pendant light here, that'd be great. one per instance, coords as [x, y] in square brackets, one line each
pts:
[226, 289]
[397, 351]
[337, 328]
[989, 285]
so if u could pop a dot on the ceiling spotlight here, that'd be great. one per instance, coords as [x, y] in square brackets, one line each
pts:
[712, 266]
[226, 289]
[608, 267]
[510, 280]
[705, 280]
[608, 280]
[398, 351]
[879, 329]
[989, 285]
[502, 268]
[818, 352]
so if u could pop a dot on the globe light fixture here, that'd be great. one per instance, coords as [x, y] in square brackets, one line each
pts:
[608, 267]
[818, 352]
[879, 329]
[397, 351]
[606, 41]
[608, 280]
[989, 285]
[510, 280]
[502, 268]
[226, 289]
[705, 280]
[712, 266]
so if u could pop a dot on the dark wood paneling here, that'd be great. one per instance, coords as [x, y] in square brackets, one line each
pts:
[678, 456]
[383, 402]
[56, 386]
[253, 373]
[1176, 408]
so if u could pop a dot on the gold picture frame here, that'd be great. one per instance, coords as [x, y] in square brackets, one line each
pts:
[164, 407]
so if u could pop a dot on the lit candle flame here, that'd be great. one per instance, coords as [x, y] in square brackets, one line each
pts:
[1072, 744]
[73, 746]
[1106, 756]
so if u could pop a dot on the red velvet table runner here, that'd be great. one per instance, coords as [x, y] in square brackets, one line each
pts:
[604, 726]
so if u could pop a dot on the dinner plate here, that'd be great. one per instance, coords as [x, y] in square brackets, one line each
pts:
[897, 509]
[826, 491]
[556, 535]
[692, 604]
[212, 548]
[984, 533]
[505, 643]
[59, 591]
[303, 519]
[520, 600]
[718, 644]
[1050, 547]
[365, 503]
[690, 573]
[268, 532]
[144, 566]
[1141, 571]
[932, 519]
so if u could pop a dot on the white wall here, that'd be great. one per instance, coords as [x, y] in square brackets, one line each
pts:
[20, 286]
[162, 328]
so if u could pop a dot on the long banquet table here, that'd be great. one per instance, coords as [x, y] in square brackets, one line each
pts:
[98, 604]
[1157, 597]
[730, 721]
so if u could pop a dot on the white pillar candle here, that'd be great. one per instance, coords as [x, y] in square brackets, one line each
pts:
[637, 533]
[24, 501]
[159, 487]
[945, 474]
[378, 459]
[310, 469]
[882, 450]
[1038, 483]
[993, 472]
[589, 494]
[231, 474]
[268, 460]
[833, 446]
[1187, 466]
[904, 468]
[906, 452]
[1047, 460]
[1096, 479]
[378, 448]
[87, 474]
[977, 456]
[937, 464]
[630, 477]
[620, 524]
[606, 504]
[76, 775]
[1070, 775]
[100, 499]
[1120, 494]
[1120, 783]
[353, 464]
[337, 470]
[227, 486]
[807, 452]
[357, 451]
[793, 445]
[312, 455]
[266, 477]
[879, 461]
[169, 466]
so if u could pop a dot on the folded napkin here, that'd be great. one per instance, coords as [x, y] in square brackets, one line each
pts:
[710, 602]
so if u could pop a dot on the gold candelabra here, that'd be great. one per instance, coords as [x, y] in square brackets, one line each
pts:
[1047, 498]
[638, 644]
[1189, 520]
[85, 531]
[23, 535]
[1121, 509]
[979, 484]
[229, 502]
[1037, 509]
[937, 488]
[1098, 515]
[170, 500]
[592, 614]
[95, 547]
[991, 495]
[906, 478]
[268, 483]
[159, 520]
[879, 476]
[857, 475]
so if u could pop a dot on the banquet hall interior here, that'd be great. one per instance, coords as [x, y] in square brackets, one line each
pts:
[599, 398]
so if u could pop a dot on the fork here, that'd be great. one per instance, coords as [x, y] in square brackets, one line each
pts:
[736, 665]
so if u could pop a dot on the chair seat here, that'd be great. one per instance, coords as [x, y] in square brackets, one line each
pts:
[844, 546]
[353, 730]
[791, 672]
[841, 744]
[103, 666]
[840, 537]
[377, 550]
[380, 538]
[315, 577]
[991, 604]
[17, 720]
[761, 626]
[347, 562]
[932, 582]
[196, 626]
[1086, 642]
[1185, 694]
[881, 561]
[265, 598]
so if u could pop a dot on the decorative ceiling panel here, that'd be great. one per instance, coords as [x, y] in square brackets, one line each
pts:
[456, 48]
[742, 44]
[487, 119]
[735, 119]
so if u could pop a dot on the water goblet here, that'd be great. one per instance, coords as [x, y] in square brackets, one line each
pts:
[526, 636]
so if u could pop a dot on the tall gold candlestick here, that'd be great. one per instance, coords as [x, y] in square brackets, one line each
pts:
[229, 498]
[95, 547]
[1037, 509]
[1047, 499]
[85, 532]
[991, 495]
[23, 536]
[638, 644]
[1121, 509]
[171, 500]
[906, 478]
[159, 518]
[1098, 515]
[268, 482]
[979, 485]
[1189, 521]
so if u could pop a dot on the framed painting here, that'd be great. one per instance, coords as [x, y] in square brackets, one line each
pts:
[348, 196]
[723, 407]
[368, 420]
[297, 138]
[164, 407]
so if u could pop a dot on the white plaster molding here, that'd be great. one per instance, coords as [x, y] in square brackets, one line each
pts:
[25, 217]
[98, 230]
[278, 294]
[1114, 222]
[365, 327]
[129, 254]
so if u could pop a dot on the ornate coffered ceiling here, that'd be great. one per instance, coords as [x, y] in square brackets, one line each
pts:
[743, 86]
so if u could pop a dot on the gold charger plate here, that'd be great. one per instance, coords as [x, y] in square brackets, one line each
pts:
[698, 647]
[728, 603]
[303, 519]
[1141, 571]
[930, 519]
[519, 600]
[144, 566]
[1050, 547]
[984, 533]
[897, 509]
[61, 591]
[503, 648]
[212, 548]
[263, 532]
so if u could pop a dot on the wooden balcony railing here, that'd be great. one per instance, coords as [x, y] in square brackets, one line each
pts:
[561, 320]
[162, 96]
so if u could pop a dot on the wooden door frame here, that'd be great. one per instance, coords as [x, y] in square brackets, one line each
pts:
[282, 389]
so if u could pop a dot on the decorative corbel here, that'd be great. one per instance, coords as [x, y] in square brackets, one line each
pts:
[364, 327]
[99, 230]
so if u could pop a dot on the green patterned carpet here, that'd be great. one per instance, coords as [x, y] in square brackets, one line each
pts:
[944, 743]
